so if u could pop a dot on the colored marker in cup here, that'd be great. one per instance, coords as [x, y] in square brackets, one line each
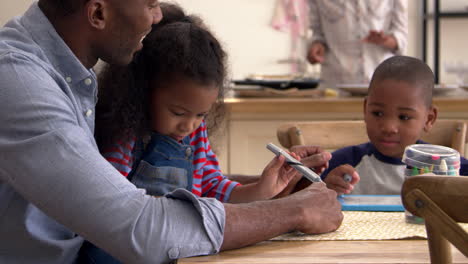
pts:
[443, 166]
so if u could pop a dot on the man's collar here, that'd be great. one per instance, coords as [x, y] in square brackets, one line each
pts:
[56, 50]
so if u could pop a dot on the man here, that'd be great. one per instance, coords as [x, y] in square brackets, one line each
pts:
[56, 189]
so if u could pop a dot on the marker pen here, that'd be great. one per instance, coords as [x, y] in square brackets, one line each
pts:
[308, 173]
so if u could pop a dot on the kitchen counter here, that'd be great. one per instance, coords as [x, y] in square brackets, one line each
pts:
[331, 108]
[251, 123]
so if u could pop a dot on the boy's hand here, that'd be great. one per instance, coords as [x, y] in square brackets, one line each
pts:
[335, 179]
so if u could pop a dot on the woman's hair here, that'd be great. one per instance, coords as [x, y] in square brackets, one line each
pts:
[180, 46]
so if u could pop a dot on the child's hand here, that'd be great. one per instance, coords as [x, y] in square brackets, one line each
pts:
[312, 156]
[335, 179]
[276, 176]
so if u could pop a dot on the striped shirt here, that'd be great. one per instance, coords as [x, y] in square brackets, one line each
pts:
[208, 180]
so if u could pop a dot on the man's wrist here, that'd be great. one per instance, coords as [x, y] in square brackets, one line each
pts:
[294, 213]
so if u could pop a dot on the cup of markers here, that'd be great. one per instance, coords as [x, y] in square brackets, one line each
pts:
[427, 158]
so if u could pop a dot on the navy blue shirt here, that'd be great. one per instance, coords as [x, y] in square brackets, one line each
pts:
[379, 174]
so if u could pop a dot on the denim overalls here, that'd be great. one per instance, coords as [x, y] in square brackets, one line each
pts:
[161, 167]
[165, 165]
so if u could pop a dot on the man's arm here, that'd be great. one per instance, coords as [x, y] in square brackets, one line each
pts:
[312, 210]
[317, 44]
[48, 157]
[315, 23]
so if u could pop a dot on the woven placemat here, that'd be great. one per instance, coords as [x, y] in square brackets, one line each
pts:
[359, 225]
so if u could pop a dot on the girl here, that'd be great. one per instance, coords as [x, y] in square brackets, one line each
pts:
[150, 122]
[155, 111]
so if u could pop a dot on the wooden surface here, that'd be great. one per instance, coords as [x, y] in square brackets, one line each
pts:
[442, 202]
[338, 134]
[387, 251]
[334, 108]
[449, 193]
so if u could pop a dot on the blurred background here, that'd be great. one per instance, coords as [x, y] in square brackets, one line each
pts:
[254, 46]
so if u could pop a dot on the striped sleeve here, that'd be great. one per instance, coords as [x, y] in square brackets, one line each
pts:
[208, 179]
[120, 156]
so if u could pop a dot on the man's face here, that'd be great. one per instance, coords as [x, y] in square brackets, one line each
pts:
[128, 23]
[396, 116]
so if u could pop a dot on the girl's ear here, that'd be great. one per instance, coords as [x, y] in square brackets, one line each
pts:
[431, 118]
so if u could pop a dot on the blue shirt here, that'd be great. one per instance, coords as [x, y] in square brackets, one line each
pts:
[55, 187]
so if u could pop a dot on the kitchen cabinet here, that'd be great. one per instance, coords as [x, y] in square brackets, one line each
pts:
[251, 123]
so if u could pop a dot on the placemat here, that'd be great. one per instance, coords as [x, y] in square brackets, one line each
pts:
[358, 225]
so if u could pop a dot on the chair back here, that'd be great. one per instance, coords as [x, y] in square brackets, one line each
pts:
[332, 135]
[442, 201]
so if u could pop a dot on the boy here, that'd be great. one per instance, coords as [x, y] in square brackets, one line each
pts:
[397, 110]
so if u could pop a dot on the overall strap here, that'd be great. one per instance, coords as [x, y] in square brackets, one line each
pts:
[137, 155]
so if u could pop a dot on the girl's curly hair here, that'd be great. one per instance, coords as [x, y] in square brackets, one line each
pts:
[179, 46]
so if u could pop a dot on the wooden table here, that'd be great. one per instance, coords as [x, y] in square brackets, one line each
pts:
[285, 252]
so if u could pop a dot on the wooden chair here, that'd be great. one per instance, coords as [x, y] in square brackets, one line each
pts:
[442, 201]
[332, 135]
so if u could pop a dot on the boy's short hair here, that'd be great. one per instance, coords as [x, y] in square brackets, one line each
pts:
[407, 69]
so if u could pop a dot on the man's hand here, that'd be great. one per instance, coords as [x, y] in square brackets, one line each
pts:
[321, 211]
[312, 156]
[316, 53]
[313, 210]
